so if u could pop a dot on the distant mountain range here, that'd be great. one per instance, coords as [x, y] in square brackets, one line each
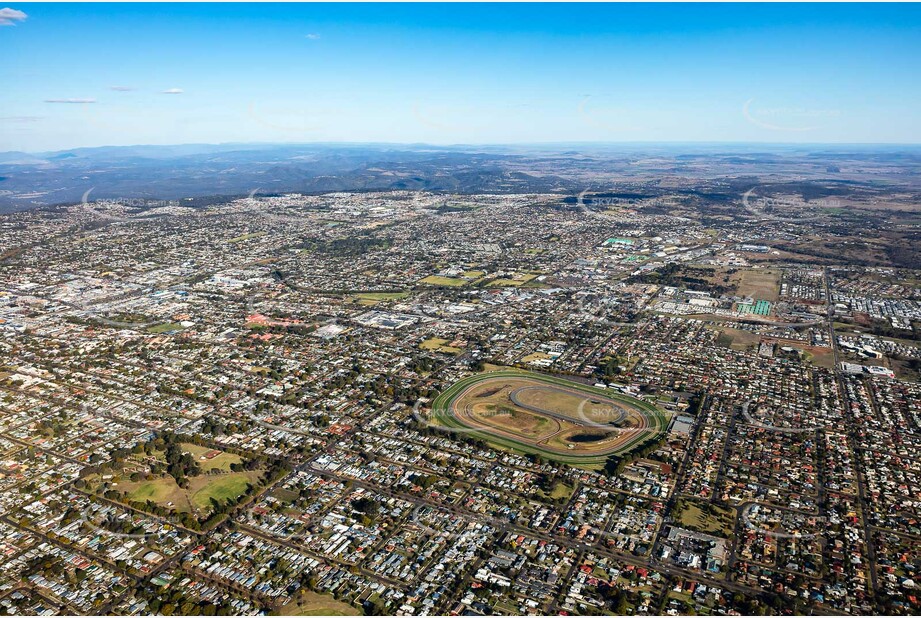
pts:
[30, 180]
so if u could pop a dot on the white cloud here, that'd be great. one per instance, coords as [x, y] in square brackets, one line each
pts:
[70, 100]
[121, 88]
[174, 91]
[21, 118]
[313, 36]
[9, 17]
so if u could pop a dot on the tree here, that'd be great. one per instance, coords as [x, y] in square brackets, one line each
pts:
[620, 606]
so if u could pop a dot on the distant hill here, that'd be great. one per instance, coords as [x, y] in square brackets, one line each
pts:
[29, 180]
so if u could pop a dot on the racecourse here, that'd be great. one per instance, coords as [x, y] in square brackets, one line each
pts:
[453, 410]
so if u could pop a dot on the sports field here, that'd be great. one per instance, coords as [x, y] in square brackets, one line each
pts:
[446, 281]
[209, 459]
[196, 498]
[558, 419]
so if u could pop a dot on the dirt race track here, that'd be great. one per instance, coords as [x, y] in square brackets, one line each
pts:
[558, 419]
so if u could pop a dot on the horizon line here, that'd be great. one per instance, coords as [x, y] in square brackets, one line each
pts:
[475, 144]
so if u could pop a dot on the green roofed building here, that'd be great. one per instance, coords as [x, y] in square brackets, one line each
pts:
[758, 307]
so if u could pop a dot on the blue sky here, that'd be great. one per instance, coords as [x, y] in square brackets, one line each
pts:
[116, 74]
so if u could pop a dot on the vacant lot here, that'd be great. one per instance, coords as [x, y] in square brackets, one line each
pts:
[164, 328]
[560, 491]
[533, 356]
[312, 604]
[705, 517]
[760, 284]
[439, 345]
[738, 339]
[518, 279]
